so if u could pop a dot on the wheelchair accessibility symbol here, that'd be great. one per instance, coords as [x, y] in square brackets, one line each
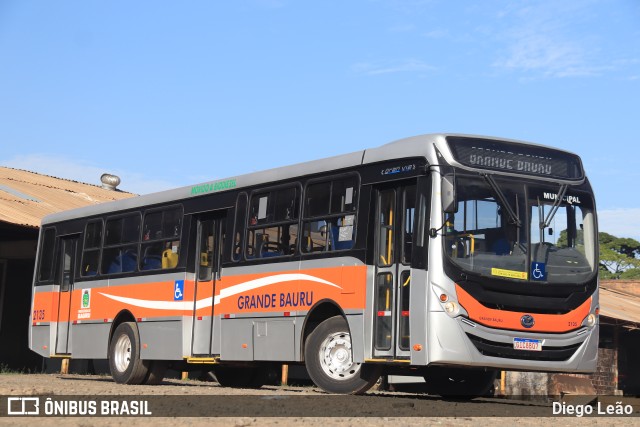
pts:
[538, 271]
[178, 290]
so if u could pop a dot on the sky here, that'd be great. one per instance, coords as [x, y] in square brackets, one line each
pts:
[167, 94]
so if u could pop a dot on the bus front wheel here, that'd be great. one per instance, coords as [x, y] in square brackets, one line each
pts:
[124, 355]
[329, 360]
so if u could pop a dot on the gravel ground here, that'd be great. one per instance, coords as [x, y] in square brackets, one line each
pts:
[288, 400]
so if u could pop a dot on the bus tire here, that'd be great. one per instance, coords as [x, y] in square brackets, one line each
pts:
[328, 357]
[124, 355]
[157, 369]
[239, 376]
[459, 384]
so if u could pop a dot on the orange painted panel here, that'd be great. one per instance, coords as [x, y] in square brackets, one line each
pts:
[253, 293]
[44, 308]
[511, 319]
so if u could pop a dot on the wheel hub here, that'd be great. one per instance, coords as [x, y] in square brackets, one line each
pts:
[335, 357]
[122, 353]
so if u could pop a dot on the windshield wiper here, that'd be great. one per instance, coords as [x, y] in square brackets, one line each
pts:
[554, 206]
[512, 215]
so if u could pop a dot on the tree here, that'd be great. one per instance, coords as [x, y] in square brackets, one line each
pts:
[619, 257]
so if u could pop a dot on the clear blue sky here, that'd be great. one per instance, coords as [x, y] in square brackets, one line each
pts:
[169, 93]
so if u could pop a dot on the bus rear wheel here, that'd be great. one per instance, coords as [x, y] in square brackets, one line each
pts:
[124, 356]
[329, 360]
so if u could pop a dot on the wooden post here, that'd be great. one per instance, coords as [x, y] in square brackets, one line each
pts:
[616, 350]
[64, 368]
[285, 374]
[185, 376]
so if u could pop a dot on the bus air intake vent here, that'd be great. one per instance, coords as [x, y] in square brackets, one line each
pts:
[506, 350]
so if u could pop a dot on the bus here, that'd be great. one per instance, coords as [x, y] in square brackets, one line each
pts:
[444, 256]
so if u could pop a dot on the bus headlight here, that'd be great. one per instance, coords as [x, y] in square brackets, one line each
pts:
[451, 307]
[591, 319]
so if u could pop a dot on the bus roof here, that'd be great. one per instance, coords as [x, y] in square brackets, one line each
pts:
[416, 146]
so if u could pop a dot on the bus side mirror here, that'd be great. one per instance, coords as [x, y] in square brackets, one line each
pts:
[448, 190]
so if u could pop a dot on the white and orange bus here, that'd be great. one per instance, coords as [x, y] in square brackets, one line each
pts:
[444, 256]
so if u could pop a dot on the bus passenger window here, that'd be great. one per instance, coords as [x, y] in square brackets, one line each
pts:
[273, 224]
[91, 252]
[160, 246]
[241, 212]
[329, 217]
[47, 254]
[120, 252]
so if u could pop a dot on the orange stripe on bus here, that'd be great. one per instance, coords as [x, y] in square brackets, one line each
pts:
[511, 319]
[346, 285]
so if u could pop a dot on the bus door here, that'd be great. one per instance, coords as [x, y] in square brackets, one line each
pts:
[64, 279]
[208, 260]
[395, 209]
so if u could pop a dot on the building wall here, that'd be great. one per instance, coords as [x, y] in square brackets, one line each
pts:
[14, 326]
[605, 379]
[524, 384]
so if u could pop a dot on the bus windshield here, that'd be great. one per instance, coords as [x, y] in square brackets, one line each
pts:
[522, 231]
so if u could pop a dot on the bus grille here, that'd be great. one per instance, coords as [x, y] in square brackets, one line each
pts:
[500, 349]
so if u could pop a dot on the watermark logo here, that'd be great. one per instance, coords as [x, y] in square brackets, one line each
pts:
[23, 406]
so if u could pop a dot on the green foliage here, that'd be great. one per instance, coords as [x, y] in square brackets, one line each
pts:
[619, 257]
[5, 370]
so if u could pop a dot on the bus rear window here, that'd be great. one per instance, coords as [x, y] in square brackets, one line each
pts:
[47, 255]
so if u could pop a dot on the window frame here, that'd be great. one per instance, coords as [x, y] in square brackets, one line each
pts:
[151, 241]
[272, 190]
[135, 243]
[52, 253]
[98, 249]
[241, 214]
[329, 215]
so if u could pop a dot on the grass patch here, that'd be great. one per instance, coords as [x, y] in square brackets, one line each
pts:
[6, 370]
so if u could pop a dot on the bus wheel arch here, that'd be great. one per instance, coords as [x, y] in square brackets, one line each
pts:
[329, 359]
[321, 311]
[123, 316]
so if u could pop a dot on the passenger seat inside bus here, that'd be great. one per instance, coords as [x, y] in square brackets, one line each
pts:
[336, 244]
[151, 259]
[123, 263]
[169, 259]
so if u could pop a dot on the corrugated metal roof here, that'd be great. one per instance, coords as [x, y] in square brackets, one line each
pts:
[620, 300]
[26, 197]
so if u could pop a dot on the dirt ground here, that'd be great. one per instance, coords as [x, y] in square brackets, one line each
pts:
[375, 409]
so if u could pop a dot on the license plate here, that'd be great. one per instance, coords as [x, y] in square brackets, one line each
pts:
[527, 344]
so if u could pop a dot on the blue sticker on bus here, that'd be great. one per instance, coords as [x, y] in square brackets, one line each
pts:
[538, 271]
[178, 290]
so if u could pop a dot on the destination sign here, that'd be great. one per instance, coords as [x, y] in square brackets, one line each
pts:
[514, 157]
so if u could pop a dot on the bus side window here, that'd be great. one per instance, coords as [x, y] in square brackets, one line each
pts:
[120, 252]
[91, 252]
[329, 216]
[273, 223]
[238, 233]
[160, 247]
[47, 255]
